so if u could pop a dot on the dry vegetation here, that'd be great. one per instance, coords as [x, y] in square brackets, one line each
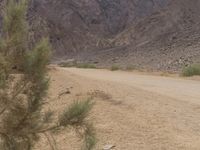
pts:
[133, 110]
[24, 84]
[191, 70]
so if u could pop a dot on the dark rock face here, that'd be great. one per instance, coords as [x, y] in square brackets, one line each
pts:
[77, 26]
[158, 34]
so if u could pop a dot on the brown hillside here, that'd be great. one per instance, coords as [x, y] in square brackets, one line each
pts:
[155, 34]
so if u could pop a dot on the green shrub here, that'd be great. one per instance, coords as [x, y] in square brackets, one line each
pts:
[86, 65]
[23, 94]
[78, 65]
[76, 113]
[191, 70]
[130, 67]
[67, 65]
[114, 68]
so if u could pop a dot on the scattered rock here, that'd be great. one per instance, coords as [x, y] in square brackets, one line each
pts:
[108, 147]
[64, 93]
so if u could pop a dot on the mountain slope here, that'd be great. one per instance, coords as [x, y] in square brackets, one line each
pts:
[154, 34]
[81, 25]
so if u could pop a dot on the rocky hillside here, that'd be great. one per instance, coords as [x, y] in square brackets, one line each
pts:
[155, 34]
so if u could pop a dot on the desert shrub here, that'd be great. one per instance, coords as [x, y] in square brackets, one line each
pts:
[191, 70]
[86, 66]
[66, 64]
[130, 67]
[76, 113]
[114, 68]
[78, 65]
[23, 93]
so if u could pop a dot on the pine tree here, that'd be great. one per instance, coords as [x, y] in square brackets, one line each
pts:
[23, 94]
[15, 32]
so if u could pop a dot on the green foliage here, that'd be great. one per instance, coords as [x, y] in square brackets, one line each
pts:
[191, 70]
[36, 72]
[37, 59]
[2, 47]
[86, 66]
[90, 137]
[76, 113]
[78, 65]
[114, 68]
[15, 31]
[67, 65]
[23, 94]
[3, 71]
[130, 67]
[25, 97]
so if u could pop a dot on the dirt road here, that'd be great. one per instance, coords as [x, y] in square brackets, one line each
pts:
[133, 111]
[185, 90]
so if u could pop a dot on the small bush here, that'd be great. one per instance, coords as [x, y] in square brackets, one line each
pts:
[86, 66]
[76, 113]
[65, 64]
[191, 70]
[78, 65]
[68, 63]
[114, 68]
[130, 67]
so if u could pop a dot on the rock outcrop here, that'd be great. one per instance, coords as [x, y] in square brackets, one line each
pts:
[155, 34]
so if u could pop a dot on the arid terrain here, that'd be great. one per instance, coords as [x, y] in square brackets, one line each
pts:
[132, 110]
[140, 63]
[151, 34]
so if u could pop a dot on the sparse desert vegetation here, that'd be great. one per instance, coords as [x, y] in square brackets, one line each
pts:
[86, 66]
[191, 70]
[78, 65]
[66, 64]
[24, 85]
[55, 96]
[130, 67]
[130, 107]
[114, 68]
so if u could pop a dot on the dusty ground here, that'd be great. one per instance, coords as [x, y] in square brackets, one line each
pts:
[132, 111]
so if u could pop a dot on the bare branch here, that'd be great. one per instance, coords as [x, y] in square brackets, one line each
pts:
[52, 144]
[3, 110]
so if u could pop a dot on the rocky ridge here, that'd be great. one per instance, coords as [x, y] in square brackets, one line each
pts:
[153, 34]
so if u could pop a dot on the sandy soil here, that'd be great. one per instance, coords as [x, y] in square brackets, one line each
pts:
[132, 111]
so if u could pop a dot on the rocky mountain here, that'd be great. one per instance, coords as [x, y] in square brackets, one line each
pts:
[89, 24]
[154, 34]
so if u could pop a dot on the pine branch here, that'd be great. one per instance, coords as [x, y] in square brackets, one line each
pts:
[24, 97]
[52, 144]
[19, 90]
[3, 110]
